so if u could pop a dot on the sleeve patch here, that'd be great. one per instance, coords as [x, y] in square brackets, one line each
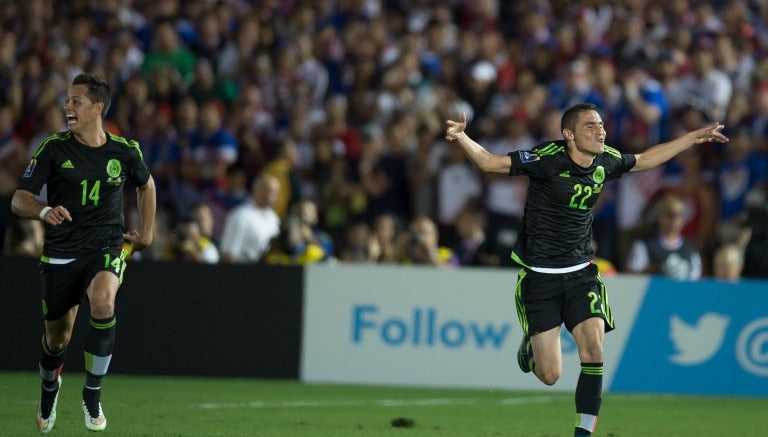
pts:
[528, 156]
[30, 169]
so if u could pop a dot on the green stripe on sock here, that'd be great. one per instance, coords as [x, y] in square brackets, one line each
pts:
[589, 370]
[107, 325]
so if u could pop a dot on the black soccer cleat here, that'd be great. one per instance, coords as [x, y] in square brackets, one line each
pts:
[525, 355]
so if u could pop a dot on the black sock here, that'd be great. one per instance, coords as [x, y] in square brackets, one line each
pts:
[588, 398]
[51, 363]
[98, 350]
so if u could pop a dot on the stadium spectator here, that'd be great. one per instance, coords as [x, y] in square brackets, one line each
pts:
[281, 167]
[384, 172]
[168, 51]
[189, 244]
[685, 178]
[212, 151]
[471, 246]
[755, 261]
[424, 163]
[458, 187]
[504, 197]
[207, 86]
[419, 245]
[384, 231]
[705, 87]
[574, 87]
[742, 170]
[24, 238]
[667, 251]
[757, 119]
[357, 246]
[300, 241]
[232, 59]
[307, 213]
[13, 155]
[250, 227]
[728, 262]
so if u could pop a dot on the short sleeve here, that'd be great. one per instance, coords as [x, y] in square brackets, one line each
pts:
[139, 171]
[527, 163]
[37, 172]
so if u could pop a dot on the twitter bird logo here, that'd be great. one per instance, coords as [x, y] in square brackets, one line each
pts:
[695, 344]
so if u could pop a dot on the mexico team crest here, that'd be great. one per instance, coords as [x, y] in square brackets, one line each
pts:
[599, 174]
[114, 171]
[114, 168]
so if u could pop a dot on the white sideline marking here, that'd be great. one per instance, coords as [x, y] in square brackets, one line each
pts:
[434, 402]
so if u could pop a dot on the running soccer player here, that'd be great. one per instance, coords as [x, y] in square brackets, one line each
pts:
[85, 250]
[558, 283]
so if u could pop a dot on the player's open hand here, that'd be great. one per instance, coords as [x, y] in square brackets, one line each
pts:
[710, 134]
[455, 128]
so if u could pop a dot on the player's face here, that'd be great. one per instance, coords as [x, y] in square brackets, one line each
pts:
[589, 135]
[79, 110]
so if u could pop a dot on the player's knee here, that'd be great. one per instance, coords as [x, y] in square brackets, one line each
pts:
[592, 353]
[58, 341]
[548, 376]
[102, 309]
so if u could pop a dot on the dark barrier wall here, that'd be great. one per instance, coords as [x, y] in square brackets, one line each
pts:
[172, 319]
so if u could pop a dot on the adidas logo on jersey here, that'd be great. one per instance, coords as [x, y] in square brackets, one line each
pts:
[565, 174]
[67, 164]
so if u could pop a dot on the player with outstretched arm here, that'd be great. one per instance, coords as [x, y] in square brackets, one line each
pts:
[558, 282]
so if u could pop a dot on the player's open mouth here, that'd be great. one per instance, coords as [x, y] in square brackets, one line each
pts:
[71, 119]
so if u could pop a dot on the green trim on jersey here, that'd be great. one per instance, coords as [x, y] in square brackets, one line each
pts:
[519, 301]
[130, 143]
[57, 136]
[551, 149]
[611, 151]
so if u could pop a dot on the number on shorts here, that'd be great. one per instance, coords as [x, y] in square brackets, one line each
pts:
[594, 306]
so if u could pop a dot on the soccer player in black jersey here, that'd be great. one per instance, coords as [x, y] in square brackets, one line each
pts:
[558, 283]
[85, 250]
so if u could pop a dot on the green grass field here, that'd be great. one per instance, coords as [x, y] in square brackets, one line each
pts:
[162, 406]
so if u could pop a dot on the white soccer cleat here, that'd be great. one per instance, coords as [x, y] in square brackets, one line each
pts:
[94, 421]
[45, 424]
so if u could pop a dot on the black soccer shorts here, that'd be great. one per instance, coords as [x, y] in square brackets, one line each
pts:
[63, 285]
[546, 300]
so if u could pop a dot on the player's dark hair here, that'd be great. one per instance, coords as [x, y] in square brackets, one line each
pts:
[98, 89]
[571, 115]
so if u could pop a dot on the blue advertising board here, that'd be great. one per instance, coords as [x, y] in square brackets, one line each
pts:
[705, 337]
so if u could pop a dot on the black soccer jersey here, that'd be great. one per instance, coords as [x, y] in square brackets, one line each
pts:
[557, 225]
[88, 181]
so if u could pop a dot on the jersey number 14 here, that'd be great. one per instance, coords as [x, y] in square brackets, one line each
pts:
[92, 194]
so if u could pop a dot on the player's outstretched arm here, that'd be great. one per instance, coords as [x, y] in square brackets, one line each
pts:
[661, 153]
[481, 158]
[147, 204]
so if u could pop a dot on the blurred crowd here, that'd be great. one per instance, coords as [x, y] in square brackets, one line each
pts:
[298, 131]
